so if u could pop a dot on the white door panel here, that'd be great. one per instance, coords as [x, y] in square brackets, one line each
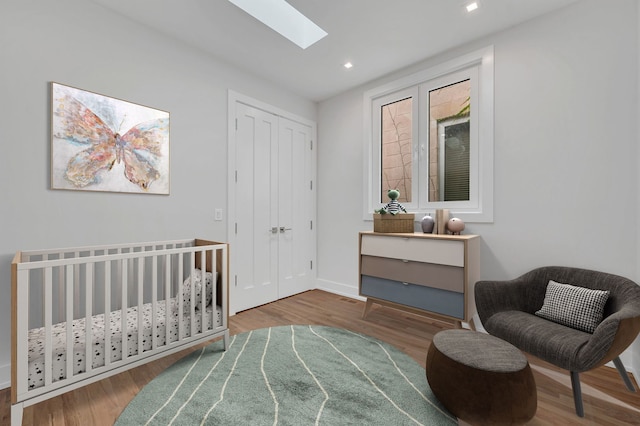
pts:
[294, 202]
[273, 205]
[256, 210]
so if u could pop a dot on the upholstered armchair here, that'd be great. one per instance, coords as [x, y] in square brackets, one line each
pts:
[507, 309]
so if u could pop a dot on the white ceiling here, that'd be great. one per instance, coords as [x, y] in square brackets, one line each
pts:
[377, 36]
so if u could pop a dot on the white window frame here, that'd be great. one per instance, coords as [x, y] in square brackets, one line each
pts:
[478, 65]
[442, 150]
[378, 103]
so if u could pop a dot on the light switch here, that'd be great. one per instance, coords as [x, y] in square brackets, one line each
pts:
[218, 213]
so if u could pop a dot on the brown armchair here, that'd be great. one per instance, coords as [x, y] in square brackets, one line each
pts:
[507, 310]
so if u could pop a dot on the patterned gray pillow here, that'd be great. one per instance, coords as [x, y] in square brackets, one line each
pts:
[197, 283]
[577, 307]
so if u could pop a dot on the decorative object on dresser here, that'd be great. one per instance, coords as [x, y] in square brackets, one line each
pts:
[387, 223]
[393, 217]
[455, 226]
[427, 224]
[393, 207]
[426, 274]
[442, 217]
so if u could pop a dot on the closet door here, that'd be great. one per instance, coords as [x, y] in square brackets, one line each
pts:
[256, 210]
[273, 232]
[294, 204]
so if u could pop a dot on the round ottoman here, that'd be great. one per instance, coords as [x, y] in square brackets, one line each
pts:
[481, 379]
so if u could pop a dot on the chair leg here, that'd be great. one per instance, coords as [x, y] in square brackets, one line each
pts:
[577, 393]
[623, 374]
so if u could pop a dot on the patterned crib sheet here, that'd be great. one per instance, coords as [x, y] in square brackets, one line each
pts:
[59, 358]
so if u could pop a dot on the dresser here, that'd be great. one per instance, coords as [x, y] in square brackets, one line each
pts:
[427, 274]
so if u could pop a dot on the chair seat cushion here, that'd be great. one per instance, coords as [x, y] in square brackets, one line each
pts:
[547, 340]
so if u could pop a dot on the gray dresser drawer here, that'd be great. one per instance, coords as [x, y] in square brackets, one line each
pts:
[431, 299]
[444, 277]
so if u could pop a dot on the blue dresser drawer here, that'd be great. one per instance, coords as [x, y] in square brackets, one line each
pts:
[430, 299]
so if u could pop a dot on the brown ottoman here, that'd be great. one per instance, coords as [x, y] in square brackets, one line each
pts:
[481, 379]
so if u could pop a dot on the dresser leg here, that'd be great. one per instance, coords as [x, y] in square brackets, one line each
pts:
[367, 308]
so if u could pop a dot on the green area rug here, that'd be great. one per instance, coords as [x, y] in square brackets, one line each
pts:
[293, 375]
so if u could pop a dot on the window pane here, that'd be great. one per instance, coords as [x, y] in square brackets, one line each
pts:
[396, 145]
[449, 136]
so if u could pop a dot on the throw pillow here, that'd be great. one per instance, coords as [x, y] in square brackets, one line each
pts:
[577, 307]
[196, 281]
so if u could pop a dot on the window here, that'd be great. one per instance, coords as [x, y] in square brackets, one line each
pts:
[430, 135]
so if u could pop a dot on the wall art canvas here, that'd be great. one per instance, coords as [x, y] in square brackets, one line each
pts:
[101, 143]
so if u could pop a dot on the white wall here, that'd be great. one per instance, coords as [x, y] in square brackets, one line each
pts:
[77, 43]
[566, 157]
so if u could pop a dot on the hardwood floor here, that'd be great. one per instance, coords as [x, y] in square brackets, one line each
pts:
[606, 400]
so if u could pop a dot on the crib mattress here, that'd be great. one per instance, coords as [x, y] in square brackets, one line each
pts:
[59, 342]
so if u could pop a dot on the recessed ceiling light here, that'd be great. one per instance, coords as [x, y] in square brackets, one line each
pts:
[348, 65]
[280, 16]
[472, 6]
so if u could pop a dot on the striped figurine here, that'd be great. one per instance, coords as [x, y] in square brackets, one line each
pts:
[393, 207]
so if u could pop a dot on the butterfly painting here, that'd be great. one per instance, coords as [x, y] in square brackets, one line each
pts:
[106, 144]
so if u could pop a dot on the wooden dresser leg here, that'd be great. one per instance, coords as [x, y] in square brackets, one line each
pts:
[367, 308]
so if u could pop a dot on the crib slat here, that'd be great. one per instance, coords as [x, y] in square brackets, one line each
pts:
[140, 296]
[123, 310]
[69, 281]
[88, 319]
[76, 281]
[60, 316]
[154, 300]
[214, 290]
[48, 298]
[167, 297]
[180, 296]
[20, 317]
[203, 292]
[192, 308]
[225, 286]
[107, 313]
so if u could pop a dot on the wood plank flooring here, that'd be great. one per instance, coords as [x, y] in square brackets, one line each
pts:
[606, 400]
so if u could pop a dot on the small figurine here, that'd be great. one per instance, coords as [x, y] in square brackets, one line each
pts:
[393, 207]
[455, 226]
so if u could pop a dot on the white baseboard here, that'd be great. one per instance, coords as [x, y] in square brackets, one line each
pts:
[5, 376]
[338, 288]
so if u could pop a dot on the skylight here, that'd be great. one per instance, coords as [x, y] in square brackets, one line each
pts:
[284, 19]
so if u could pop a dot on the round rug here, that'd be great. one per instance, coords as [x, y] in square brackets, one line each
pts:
[291, 375]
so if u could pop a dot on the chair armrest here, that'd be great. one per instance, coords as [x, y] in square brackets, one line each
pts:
[520, 294]
[612, 336]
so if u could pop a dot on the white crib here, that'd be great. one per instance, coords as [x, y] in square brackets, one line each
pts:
[79, 301]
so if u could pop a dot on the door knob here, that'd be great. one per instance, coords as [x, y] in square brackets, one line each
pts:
[282, 229]
[274, 230]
